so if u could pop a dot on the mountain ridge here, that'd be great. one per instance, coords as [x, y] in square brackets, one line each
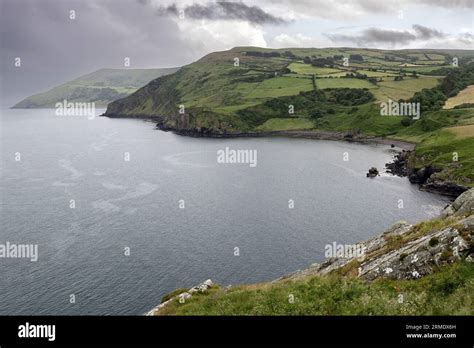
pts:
[101, 87]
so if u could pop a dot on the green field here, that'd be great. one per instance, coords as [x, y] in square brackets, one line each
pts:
[404, 89]
[302, 68]
[343, 83]
[274, 87]
[370, 73]
[282, 124]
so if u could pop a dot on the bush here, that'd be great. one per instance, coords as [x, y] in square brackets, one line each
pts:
[317, 113]
[350, 96]
[353, 110]
[406, 121]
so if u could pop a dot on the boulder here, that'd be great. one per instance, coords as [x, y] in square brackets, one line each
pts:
[464, 204]
[373, 172]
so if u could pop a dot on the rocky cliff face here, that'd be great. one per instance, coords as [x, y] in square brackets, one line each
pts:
[411, 251]
[427, 177]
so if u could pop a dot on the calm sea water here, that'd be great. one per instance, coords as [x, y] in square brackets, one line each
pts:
[135, 204]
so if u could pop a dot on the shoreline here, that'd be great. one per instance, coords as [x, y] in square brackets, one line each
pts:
[304, 134]
[399, 166]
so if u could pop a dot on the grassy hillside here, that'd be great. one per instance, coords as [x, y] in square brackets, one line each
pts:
[101, 87]
[215, 89]
[449, 291]
[337, 89]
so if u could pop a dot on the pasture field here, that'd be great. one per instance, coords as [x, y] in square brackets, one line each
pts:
[343, 83]
[282, 124]
[307, 69]
[464, 97]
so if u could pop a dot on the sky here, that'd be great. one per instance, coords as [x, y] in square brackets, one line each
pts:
[56, 45]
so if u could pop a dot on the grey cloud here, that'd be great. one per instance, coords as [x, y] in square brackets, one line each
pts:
[54, 49]
[427, 33]
[389, 36]
[222, 11]
[448, 3]
[374, 35]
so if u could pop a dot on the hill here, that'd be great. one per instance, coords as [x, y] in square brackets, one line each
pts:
[256, 91]
[101, 87]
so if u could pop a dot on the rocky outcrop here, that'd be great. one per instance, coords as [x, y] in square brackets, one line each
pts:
[464, 204]
[373, 172]
[410, 251]
[420, 176]
[443, 187]
[399, 165]
[418, 257]
[426, 177]
[182, 297]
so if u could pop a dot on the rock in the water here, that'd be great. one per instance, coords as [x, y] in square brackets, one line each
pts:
[399, 165]
[373, 172]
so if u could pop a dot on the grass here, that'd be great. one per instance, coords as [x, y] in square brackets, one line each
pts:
[343, 83]
[282, 124]
[463, 97]
[307, 69]
[462, 132]
[403, 89]
[366, 119]
[448, 291]
[370, 73]
[450, 154]
[274, 88]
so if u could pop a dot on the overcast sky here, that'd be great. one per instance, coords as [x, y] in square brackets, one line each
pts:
[159, 33]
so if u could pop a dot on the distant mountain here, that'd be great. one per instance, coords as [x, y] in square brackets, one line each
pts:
[102, 87]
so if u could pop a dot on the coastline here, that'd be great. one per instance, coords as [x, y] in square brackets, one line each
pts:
[399, 166]
[304, 134]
